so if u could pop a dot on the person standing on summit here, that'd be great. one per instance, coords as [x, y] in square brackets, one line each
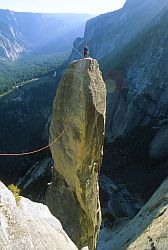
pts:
[86, 52]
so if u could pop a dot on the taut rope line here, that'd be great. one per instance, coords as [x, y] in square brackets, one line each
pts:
[44, 148]
[41, 9]
[41, 149]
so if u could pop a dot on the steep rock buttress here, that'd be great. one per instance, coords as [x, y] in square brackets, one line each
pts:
[73, 196]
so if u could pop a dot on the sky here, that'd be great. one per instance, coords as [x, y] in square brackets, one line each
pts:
[62, 6]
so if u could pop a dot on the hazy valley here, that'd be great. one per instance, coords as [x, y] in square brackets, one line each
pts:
[130, 46]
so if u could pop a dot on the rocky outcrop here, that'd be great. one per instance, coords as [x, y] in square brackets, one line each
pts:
[148, 230]
[29, 225]
[9, 49]
[135, 153]
[10, 46]
[73, 196]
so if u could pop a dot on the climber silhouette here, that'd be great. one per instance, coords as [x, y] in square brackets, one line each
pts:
[86, 52]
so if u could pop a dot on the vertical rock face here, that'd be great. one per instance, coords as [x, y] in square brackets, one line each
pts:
[148, 230]
[74, 194]
[10, 45]
[145, 71]
[108, 33]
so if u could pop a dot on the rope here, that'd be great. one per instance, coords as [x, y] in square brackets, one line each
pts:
[71, 45]
[40, 8]
[49, 145]
[36, 3]
[41, 149]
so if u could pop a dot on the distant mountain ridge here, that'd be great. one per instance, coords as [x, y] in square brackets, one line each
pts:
[131, 46]
[38, 33]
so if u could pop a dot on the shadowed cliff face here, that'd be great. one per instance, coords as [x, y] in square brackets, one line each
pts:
[73, 196]
[148, 230]
[109, 32]
[137, 115]
[136, 152]
[144, 66]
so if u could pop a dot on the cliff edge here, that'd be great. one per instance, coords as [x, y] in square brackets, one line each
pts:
[29, 225]
[73, 196]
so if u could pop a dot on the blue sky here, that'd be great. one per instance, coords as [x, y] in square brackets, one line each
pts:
[62, 6]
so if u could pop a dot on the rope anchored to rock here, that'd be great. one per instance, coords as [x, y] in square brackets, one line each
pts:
[40, 149]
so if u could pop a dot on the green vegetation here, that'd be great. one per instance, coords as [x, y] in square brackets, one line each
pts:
[16, 191]
[13, 73]
[28, 109]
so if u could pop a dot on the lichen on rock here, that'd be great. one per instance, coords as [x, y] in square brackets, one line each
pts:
[73, 196]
